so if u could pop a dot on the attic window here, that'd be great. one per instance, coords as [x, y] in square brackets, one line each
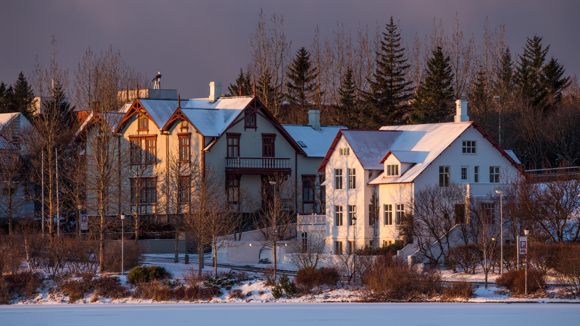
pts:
[392, 170]
[301, 143]
[468, 147]
[345, 151]
[250, 119]
[143, 123]
[184, 124]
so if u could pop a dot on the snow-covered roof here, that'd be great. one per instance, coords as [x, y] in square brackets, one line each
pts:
[513, 155]
[420, 144]
[7, 117]
[314, 142]
[159, 110]
[212, 119]
[6, 145]
[369, 146]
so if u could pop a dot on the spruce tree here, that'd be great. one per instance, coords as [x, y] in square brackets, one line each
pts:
[58, 107]
[528, 74]
[553, 81]
[23, 97]
[2, 99]
[387, 101]
[433, 101]
[505, 73]
[346, 111]
[302, 80]
[243, 85]
[479, 94]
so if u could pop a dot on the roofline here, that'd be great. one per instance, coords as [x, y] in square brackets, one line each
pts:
[132, 110]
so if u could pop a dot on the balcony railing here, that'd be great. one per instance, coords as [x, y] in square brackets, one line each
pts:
[312, 219]
[258, 164]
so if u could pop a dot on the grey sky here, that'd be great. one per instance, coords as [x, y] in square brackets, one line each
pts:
[195, 42]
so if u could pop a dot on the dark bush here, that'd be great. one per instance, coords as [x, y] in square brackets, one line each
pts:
[514, 281]
[147, 273]
[309, 278]
[133, 255]
[105, 286]
[542, 256]
[237, 294]
[201, 293]
[390, 250]
[567, 264]
[465, 257]
[462, 290]
[23, 283]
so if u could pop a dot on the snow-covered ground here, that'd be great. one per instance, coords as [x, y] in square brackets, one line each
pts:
[293, 314]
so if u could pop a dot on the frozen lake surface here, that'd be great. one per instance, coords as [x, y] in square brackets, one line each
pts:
[300, 314]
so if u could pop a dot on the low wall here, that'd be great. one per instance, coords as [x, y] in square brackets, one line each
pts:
[162, 246]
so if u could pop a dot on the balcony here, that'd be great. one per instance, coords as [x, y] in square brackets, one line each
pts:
[312, 219]
[258, 165]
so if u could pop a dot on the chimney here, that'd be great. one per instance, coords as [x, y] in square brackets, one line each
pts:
[314, 119]
[461, 111]
[215, 90]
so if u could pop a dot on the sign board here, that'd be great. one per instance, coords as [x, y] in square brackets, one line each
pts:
[523, 245]
[84, 222]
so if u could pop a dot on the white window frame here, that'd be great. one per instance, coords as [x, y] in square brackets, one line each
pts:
[345, 151]
[388, 214]
[351, 213]
[464, 173]
[392, 170]
[399, 212]
[338, 247]
[469, 147]
[476, 174]
[351, 178]
[337, 178]
[494, 172]
[444, 176]
[338, 214]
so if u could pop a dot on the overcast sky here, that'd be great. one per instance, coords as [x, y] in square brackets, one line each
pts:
[195, 42]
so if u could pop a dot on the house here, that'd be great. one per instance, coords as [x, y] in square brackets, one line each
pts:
[235, 135]
[395, 163]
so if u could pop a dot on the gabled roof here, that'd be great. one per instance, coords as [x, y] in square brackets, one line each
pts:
[368, 146]
[7, 117]
[407, 156]
[314, 142]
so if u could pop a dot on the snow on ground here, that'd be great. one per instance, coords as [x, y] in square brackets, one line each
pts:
[293, 314]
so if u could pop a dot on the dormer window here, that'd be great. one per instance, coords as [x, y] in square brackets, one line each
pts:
[250, 120]
[392, 170]
[143, 123]
[469, 147]
[184, 125]
[345, 151]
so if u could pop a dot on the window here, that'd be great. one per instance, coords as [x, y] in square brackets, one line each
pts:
[308, 189]
[268, 142]
[388, 214]
[338, 247]
[304, 242]
[392, 170]
[143, 123]
[443, 176]
[184, 125]
[370, 174]
[468, 147]
[345, 151]
[233, 144]
[322, 189]
[184, 186]
[338, 215]
[464, 173]
[487, 210]
[350, 247]
[143, 191]
[494, 174]
[372, 215]
[399, 213]
[143, 150]
[337, 178]
[351, 178]
[387, 243]
[250, 121]
[233, 189]
[351, 214]
[476, 174]
[184, 147]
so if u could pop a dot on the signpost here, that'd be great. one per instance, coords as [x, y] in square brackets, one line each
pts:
[84, 222]
[523, 245]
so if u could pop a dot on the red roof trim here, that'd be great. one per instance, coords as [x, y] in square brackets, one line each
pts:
[385, 157]
[501, 150]
[178, 115]
[330, 151]
[136, 107]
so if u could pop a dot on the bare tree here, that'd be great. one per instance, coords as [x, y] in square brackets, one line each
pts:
[308, 254]
[14, 190]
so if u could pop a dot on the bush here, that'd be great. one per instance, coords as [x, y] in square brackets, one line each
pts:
[390, 278]
[309, 278]
[145, 274]
[542, 256]
[463, 290]
[11, 254]
[24, 284]
[237, 294]
[515, 281]
[385, 250]
[133, 255]
[284, 286]
[465, 257]
[108, 287]
[567, 265]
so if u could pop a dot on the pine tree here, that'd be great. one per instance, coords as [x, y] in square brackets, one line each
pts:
[553, 81]
[479, 94]
[302, 80]
[58, 107]
[390, 92]
[3, 100]
[347, 113]
[433, 101]
[23, 98]
[243, 85]
[505, 73]
[528, 74]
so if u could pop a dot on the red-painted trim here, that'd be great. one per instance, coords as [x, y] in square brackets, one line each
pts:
[135, 108]
[385, 157]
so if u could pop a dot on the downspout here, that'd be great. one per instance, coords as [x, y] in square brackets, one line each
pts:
[296, 180]
[202, 157]
[119, 156]
[167, 173]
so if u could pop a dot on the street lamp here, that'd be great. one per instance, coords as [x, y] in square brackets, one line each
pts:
[273, 184]
[499, 100]
[500, 193]
[122, 244]
[79, 219]
[526, 232]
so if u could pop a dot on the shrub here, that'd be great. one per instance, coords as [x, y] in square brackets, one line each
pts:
[24, 283]
[201, 293]
[105, 286]
[542, 256]
[132, 257]
[567, 265]
[236, 294]
[465, 257]
[277, 292]
[11, 254]
[147, 273]
[515, 281]
[463, 290]
[390, 278]
[309, 278]
[385, 250]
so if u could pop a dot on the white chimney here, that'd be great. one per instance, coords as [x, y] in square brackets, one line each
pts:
[314, 119]
[461, 111]
[215, 91]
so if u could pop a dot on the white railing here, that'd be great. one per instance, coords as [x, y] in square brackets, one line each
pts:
[312, 219]
[258, 162]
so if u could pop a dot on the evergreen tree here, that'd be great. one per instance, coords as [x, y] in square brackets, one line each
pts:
[505, 73]
[479, 94]
[433, 101]
[58, 107]
[243, 85]
[23, 97]
[528, 74]
[347, 113]
[553, 81]
[3, 92]
[390, 92]
[302, 80]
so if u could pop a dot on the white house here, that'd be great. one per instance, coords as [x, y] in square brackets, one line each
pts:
[396, 162]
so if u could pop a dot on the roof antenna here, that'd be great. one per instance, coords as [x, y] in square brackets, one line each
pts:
[254, 88]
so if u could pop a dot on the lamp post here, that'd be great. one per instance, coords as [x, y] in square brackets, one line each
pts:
[526, 232]
[499, 100]
[273, 184]
[500, 193]
[122, 244]
[80, 207]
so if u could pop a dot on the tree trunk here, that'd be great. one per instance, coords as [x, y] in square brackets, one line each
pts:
[176, 260]
[102, 246]
[274, 260]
